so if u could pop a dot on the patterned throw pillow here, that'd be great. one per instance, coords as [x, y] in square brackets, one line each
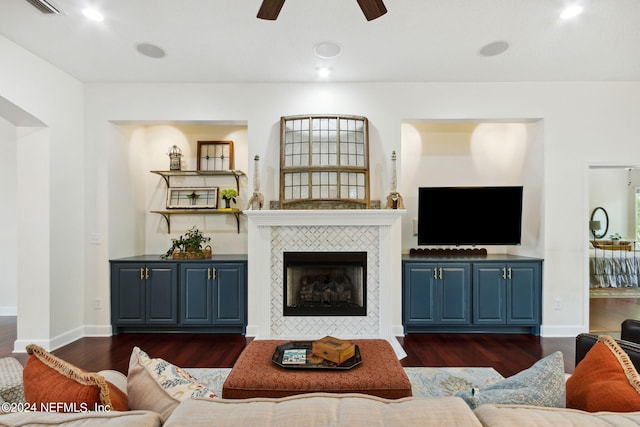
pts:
[52, 384]
[540, 385]
[11, 381]
[605, 380]
[157, 385]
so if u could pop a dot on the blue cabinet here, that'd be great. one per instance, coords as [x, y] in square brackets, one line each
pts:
[179, 295]
[144, 294]
[212, 294]
[492, 294]
[436, 293]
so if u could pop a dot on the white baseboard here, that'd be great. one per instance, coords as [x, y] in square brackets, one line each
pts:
[19, 346]
[8, 311]
[98, 331]
[562, 331]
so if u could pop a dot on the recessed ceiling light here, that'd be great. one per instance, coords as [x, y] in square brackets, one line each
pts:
[151, 50]
[93, 14]
[494, 48]
[571, 11]
[324, 72]
[327, 50]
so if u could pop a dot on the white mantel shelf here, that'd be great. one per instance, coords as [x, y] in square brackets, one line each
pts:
[376, 231]
[324, 216]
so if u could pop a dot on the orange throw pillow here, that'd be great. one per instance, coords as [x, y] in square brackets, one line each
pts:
[53, 385]
[605, 380]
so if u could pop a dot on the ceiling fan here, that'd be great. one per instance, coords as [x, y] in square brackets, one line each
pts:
[372, 9]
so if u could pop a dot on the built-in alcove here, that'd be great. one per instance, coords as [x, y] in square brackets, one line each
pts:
[139, 147]
[470, 152]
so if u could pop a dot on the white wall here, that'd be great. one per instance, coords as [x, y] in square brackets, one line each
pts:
[569, 121]
[8, 219]
[50, 198]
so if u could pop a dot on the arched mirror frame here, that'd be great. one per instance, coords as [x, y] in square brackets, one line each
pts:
[596, 216]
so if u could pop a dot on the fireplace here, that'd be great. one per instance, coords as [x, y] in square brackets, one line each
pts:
[325, 284]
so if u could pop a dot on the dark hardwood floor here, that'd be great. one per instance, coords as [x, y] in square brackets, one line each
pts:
[506, 353]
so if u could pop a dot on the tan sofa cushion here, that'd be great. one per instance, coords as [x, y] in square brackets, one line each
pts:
[324, 409]
[529, 416]
[82, 419]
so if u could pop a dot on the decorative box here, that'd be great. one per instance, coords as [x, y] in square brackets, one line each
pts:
[333, 349]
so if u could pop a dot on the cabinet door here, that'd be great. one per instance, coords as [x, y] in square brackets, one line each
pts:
[127, 294]
[162, 294]
[489, 293]
[523, 293]
[196, 296]
[229, 297]
[453, 294]
[419, 293]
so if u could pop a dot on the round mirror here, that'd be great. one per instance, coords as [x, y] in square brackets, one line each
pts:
[599, 223]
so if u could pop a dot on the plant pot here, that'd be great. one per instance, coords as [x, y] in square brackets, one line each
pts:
[226, 203]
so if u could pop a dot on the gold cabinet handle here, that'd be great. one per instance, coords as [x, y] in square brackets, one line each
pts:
[208, 273]
[141, 273]
[435, 273]
[509, 273]
[215, 274]
[504, 273]
[440, 273]
[146, 275]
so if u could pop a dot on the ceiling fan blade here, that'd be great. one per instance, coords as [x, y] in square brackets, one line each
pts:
[270, 9]
[372, 9]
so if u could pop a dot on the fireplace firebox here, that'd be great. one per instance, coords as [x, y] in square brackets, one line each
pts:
[325, 284]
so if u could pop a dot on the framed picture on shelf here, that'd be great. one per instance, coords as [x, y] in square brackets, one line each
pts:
[192, 198]
[215, 155]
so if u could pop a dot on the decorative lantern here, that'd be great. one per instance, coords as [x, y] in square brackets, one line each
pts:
[175, 158]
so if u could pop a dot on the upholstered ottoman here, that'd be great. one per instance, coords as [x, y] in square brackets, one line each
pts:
[11, 380]
[255, 375]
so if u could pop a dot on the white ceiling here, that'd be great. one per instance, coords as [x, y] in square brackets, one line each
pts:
[417, 40]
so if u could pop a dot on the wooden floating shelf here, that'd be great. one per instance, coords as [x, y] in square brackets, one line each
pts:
[166, 214]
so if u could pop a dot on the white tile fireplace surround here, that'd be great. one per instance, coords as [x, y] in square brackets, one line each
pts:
[374, 231]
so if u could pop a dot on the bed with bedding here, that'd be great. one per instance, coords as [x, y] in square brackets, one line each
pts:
[613, 264]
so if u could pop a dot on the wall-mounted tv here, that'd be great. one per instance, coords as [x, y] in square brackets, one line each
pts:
[469, 215]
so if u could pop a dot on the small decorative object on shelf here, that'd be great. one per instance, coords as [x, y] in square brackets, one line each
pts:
[257, 199]
[228, 194]
[175, 158]
[394, 199]
[215, 155]
[189, 246]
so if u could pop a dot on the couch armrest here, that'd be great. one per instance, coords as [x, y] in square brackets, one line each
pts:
[630, 330]
[584, 342]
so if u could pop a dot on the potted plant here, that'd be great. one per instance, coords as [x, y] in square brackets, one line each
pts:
[228, 194]
[189, 245]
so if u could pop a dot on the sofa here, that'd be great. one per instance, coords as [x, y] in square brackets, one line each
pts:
[325, 409]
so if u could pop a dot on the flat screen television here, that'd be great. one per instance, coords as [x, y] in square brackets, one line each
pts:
[469, 215]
